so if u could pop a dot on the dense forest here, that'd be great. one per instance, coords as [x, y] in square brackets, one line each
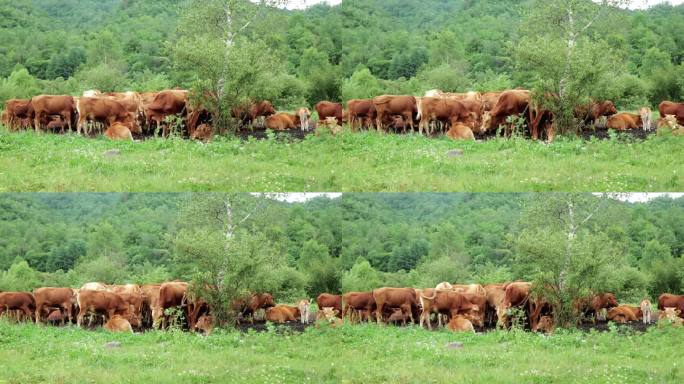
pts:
[357, 241]
[356, 49]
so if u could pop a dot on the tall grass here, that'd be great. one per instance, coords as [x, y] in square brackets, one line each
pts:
[350, 162]
[359, 354]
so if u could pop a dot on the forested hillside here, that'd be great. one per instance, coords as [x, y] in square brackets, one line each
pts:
[358, 48]
[355, 241]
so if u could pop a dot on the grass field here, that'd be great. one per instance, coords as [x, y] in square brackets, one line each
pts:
[366, 162]
[360, 354]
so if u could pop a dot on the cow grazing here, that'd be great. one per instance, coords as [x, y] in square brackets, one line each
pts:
[359, 305]
[249, 113]
[442, 110]
[303, 306]
[103, 110]
[150, 300]
[361, 112]
[282, 314]
[102, 303]
[646, 311]
[398, 316]
[62, 298]
[388, 105]
[460, 324]
[589, 113]
[510, 103]
[667, 300]
[403, 298]
[118, 132]
[118, 323]
[204, 133]
[489, 100]
[495, 294]
[327, 300]
[675, 109]
[23, 302]
[628, 121]
[45, 106]
[55, 317]
[165, 104]
[16, 110]
[516, 295]
[171, 295]
[329, 315]
[326, 109]
[669, 122]
[448, 303]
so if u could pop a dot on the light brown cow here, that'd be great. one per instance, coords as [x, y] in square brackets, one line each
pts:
[622, 315]
[545, 325]
[304, 306]
[387, 106]
[646, 311]
[517, 295]
[150, 300]
[205, 324]
[17, 301]
[45, 106]
[283, 122]
[627, 121]
[118, 323]
[118, 132]
[669, 123]
[282, 314]
[460, 323]
[495, 297]
[62, 298]
[442, 110]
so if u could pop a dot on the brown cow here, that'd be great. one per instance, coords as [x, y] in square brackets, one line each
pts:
[48, 105]
[171, 294]
[62, 298]
[516, 294]
[446, 111]
[17, 301]
[404, 298]
[594, 110]
[166, 103]
[104, 303]
[489, 100]
[675, 109]
[204, 133]
[150, 300]
[545, 325]
[282, 314]
[511, 103]
[480, 300]
[15, 111]
[622, 315]
[667, 300]
[460, 323]
[327, 109]
[247, 307]
[398, 316]
[247, 114]
[282, 122]
[361, 113]
[388, 105]
[449, 303]
[626, 121]
[646, 311]
[327, 300]
[594, 305]
[361, 304]
[118, 323]
[104, 110]
[205, 324]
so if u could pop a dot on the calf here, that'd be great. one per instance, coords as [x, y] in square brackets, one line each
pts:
[281, 314]
[62, 298]
[546, 325]
[460, 324]
[303, 306]
[646, 311]
[118, 131]
[327, 300]
[118, 324]
[205, 324]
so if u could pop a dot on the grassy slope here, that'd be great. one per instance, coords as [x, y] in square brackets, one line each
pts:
[360, 162]
[363, 354]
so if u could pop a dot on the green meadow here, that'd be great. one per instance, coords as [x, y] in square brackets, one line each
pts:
[367, 162]
[359, 354]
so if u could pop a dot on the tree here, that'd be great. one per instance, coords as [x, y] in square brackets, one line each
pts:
[215, 46]
[362, 277]
[564, 252]
[225, 259]
[559, 49]
[19, 277]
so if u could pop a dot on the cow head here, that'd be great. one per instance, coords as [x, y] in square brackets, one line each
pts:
[266, 108]
[545, 324]
[608, 108]
[486, 122]
[610, 301]
[266, 301]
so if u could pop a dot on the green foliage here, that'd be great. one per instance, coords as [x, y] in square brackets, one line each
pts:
[362, 277]
[19, 277]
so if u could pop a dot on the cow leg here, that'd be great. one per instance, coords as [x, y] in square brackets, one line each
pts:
[79, 317]
[36, 122]
[378, 313]
[79, 124]
[38, 309]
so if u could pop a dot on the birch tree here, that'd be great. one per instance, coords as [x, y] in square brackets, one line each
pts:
[561, 49]
[562, 246]
[217, 48]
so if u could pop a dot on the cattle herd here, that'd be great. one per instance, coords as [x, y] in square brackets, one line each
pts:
[123, 308]
[461, 116]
